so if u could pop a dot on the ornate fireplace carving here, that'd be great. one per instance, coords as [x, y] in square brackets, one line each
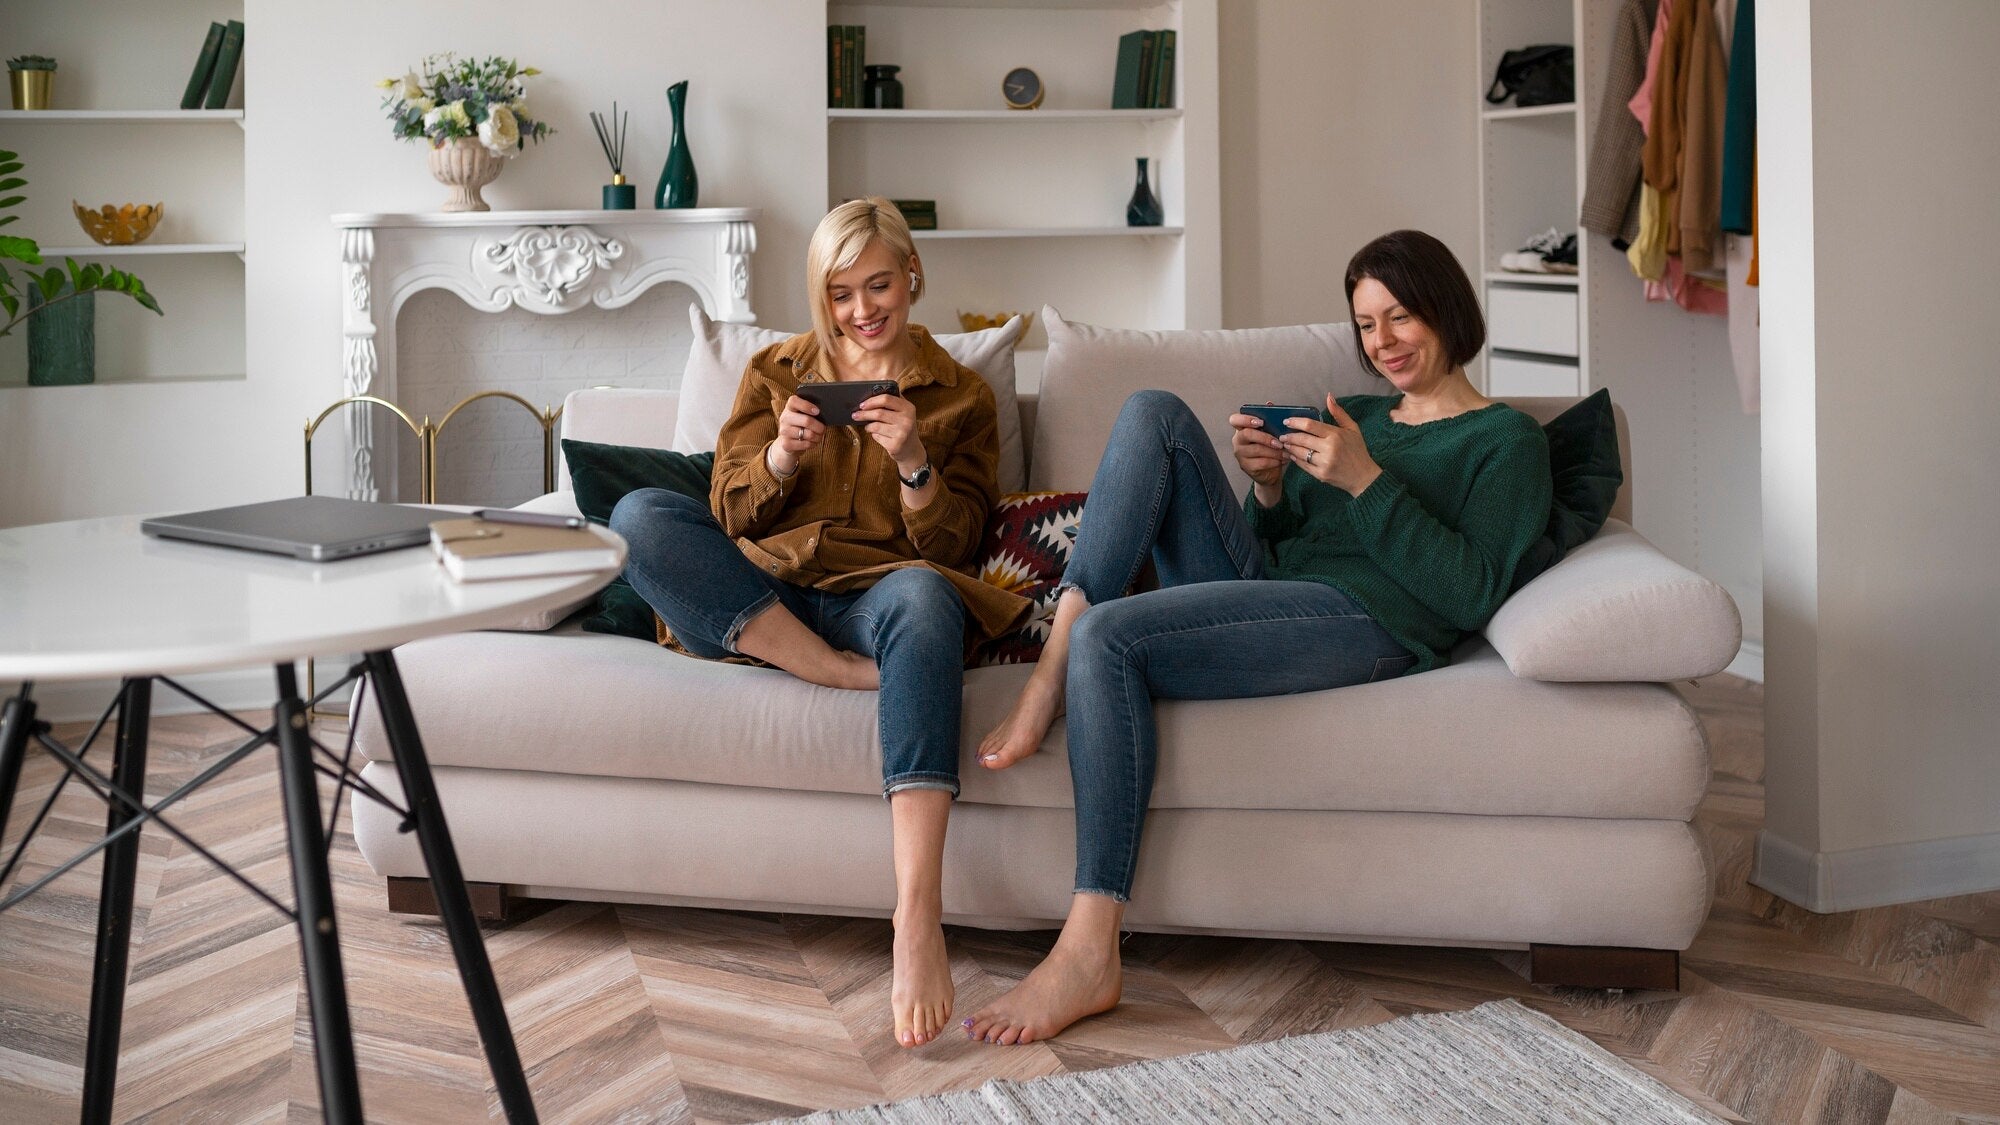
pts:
[548, 262]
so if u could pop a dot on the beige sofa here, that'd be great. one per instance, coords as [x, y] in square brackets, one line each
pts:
[1536, 793]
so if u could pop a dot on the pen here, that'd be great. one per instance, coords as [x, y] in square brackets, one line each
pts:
[535, 519]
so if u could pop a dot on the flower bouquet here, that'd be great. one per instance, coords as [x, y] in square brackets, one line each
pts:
[473, 113]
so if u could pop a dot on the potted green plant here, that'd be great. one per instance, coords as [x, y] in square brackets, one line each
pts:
[32, 78]
[70, 289]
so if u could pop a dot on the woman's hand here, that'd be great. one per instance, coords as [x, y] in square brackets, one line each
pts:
[892, 421]
[1259, 455]
[1333, 453]
[799, 429]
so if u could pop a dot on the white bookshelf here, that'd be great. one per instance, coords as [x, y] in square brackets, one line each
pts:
[115, 135]
[1032, 202]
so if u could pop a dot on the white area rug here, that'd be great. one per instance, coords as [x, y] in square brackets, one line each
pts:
[1499, 1062]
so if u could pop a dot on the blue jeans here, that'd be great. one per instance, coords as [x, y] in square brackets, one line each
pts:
[912, 623]
[1216, 629]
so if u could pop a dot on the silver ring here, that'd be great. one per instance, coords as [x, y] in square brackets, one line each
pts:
[1309, 455]
[802, 433]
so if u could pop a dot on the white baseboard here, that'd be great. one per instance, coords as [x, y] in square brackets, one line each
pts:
[1831, 882]
[243, 689]
[1749, 662]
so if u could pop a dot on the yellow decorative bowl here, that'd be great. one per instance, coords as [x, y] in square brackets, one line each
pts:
[974, 322]
[112, 225]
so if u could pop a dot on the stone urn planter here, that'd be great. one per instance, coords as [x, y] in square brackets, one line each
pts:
[464, 165]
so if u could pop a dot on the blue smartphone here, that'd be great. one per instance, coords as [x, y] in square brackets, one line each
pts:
[1274, 416]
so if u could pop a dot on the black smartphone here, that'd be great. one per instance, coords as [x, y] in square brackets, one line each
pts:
[837, 402]
[1274, 417]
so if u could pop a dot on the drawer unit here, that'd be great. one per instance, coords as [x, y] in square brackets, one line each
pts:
[1510, 376]
[1532, 319]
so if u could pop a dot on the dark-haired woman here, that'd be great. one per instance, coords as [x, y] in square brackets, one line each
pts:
[1373, 540]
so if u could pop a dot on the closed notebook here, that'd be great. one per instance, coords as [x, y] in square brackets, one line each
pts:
[474, 550]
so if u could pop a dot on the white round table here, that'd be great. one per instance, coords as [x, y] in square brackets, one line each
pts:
[96, 599]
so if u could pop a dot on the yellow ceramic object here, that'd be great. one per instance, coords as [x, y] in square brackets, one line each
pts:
[974, 322]
[112, 225]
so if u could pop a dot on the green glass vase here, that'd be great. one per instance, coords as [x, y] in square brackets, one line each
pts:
[62, 338]
[678, 183]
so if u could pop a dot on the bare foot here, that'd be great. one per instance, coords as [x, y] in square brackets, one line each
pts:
[1070, 984]
[921, 992]
[1021, 732]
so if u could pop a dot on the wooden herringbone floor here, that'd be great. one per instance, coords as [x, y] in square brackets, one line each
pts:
[642, 1014]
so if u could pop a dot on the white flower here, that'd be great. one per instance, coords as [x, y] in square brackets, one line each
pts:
[422, 105]
[445, 115]
[413, 90]
[500, 132]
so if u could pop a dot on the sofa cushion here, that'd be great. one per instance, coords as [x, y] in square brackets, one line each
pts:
[1468, 738]
[721, 351]
[1584, 467]
[1090, 371]
[602, 475]
[1617, 609]
[1025, 551]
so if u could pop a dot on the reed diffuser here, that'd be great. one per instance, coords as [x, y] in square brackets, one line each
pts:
[618, 195]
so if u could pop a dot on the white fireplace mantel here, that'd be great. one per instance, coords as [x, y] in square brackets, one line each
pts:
[547, 262]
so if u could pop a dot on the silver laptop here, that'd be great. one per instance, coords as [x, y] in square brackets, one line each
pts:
[318, 528]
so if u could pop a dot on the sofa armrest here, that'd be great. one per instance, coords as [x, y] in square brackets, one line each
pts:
[1617, 609]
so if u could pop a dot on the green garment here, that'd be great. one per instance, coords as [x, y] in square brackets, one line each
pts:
[1429, 549]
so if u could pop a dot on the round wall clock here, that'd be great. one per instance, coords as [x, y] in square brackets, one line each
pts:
[1022, 88]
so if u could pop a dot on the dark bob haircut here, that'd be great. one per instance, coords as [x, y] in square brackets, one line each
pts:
[1429, 283]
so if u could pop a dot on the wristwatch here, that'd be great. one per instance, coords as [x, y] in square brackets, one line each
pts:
[917, 479]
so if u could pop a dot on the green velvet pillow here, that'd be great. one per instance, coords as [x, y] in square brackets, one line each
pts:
[601, 475]
[1583, 466]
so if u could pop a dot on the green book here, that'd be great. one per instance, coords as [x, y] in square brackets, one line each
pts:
[226, 59]
[849, 91]
[1149, 56]
[1163, 72]
[1125, 86]
[203, 65]
[860, 63]
[833, 99]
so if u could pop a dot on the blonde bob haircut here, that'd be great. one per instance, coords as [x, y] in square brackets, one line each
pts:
[839, 242]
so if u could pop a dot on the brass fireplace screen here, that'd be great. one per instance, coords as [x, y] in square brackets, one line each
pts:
[427, 432]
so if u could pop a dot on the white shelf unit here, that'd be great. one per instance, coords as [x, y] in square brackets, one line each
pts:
[1530, 179]
[1032, 202]
[103, 143]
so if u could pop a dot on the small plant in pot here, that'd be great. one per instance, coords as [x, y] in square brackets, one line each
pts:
[32, 78]
[56, 284]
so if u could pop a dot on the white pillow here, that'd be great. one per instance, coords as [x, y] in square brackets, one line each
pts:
[721, 351]
[1091, 371]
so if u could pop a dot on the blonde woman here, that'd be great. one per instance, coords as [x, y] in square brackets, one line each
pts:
[841, 552]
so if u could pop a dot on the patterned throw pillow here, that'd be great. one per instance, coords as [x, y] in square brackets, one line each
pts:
[1026, 548]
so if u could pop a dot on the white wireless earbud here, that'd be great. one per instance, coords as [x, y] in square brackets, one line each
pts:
[913, 281]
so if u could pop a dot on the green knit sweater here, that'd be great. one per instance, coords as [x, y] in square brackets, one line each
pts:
[1429, 548]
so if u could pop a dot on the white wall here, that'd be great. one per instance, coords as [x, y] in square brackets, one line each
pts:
[1340, 121]
[1881, 521]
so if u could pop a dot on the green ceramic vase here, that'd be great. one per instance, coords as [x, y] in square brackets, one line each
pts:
[678, 184]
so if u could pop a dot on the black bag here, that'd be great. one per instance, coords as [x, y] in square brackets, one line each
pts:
[1540, 75]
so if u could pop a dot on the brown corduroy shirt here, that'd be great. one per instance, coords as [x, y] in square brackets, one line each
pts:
[838, 524]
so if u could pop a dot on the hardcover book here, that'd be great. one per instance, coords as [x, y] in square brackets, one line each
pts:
[224, 76]
[204, 65]
[1163, 72]
[474, 550]
[1125, 84]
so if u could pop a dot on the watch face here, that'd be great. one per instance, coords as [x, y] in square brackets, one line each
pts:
[1022, 88]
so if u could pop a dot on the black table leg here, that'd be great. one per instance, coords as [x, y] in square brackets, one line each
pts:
[319, 937]
[114, 909]
[448, 884]
[17, 721]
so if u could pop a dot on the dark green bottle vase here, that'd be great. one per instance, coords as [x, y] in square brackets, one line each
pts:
[1144, 209]
[679, 186]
